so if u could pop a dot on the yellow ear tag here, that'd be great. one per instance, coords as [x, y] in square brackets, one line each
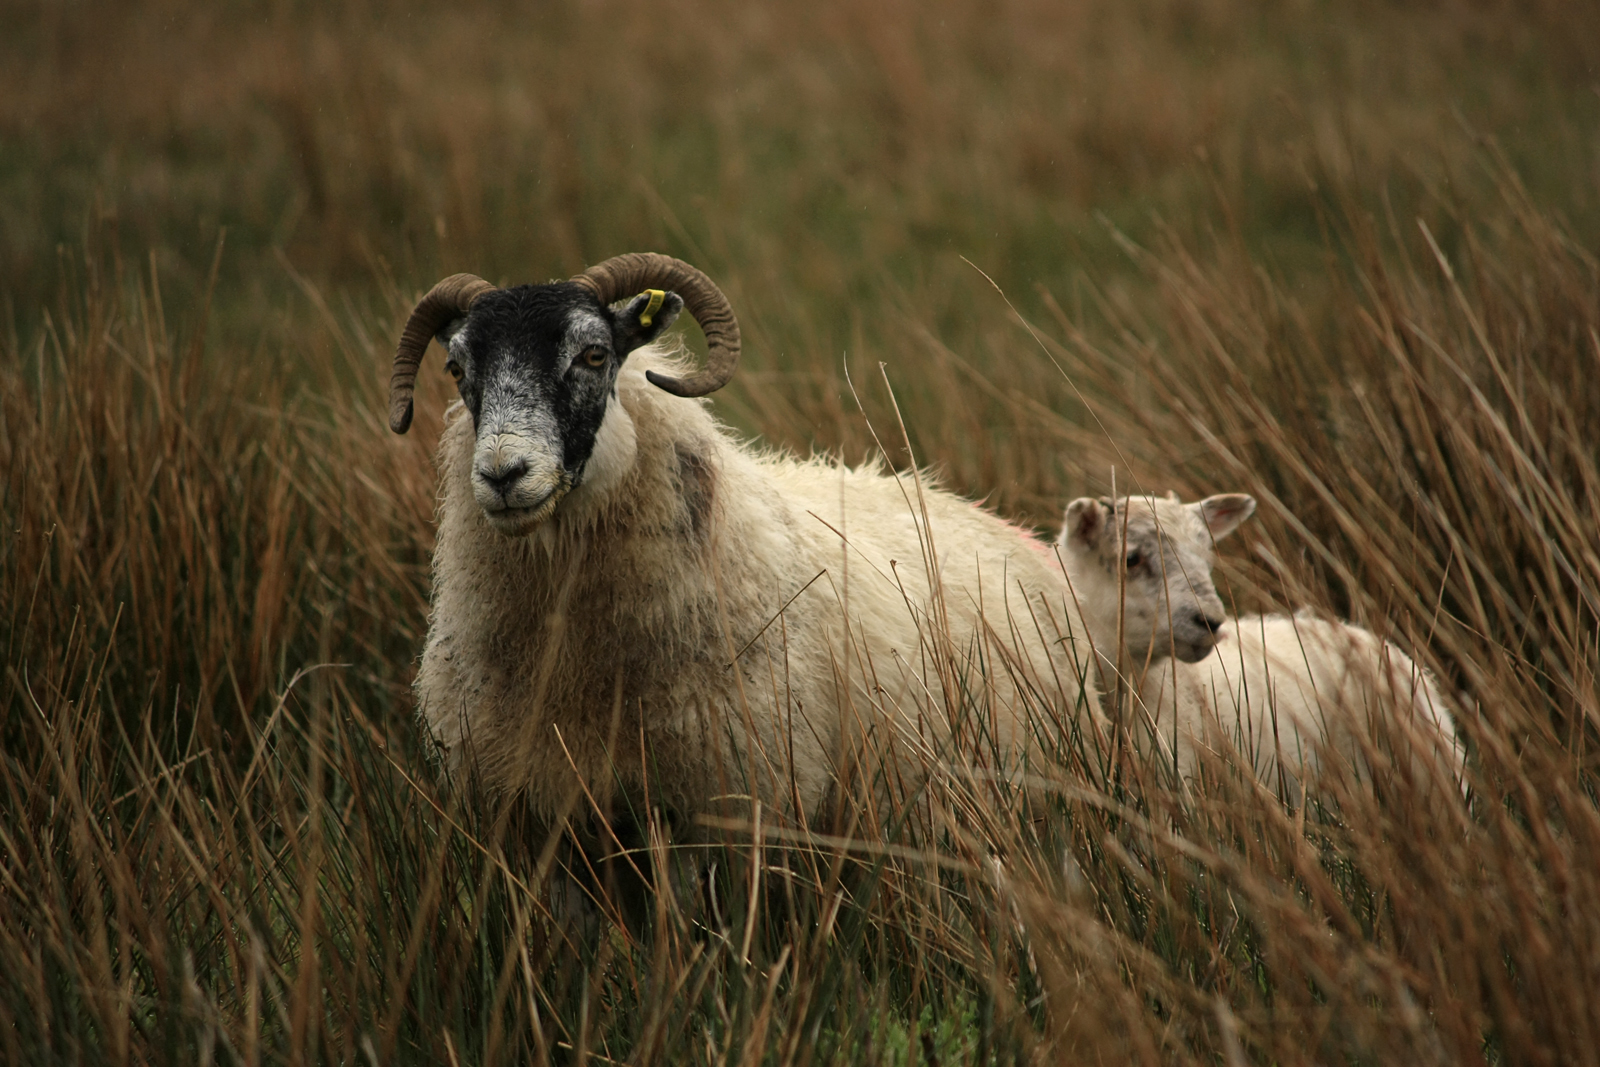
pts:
[657, 297]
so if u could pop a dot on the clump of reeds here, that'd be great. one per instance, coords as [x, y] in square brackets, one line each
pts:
[1420, 434]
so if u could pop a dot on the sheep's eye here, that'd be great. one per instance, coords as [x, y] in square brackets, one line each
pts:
[455, 370]
[594, 357]
[1134, 559]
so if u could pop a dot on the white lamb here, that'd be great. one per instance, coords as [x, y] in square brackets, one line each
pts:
[1279, 691]
[628, 600]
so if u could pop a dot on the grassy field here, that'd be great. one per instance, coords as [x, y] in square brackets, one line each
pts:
[1342, 257]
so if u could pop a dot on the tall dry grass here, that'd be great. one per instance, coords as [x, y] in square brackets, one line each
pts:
[1423, 448]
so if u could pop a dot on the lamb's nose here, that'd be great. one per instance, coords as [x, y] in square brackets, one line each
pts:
[1213, 624]
[502, 478]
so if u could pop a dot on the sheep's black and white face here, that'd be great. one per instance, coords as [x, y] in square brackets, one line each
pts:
[1170, 605]
[537, 367]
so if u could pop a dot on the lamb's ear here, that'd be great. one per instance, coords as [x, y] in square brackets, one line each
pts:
[642, 319]
[1223, 513]
[1086, 523]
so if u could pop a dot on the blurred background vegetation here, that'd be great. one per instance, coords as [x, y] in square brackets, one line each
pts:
[1339, 255]
[830, 162]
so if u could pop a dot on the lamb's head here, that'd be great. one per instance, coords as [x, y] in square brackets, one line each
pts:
[537, 369]
[1154, 556]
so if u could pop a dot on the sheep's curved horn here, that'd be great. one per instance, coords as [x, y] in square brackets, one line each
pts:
[449, 299]
[624, 276]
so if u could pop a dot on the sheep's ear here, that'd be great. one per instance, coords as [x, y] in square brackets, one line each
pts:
[1086, 523]
[642, 319]
[451, 330]
[1223, 513]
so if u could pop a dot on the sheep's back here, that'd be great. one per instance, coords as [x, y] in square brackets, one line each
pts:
[1280, 691]
[931, 583]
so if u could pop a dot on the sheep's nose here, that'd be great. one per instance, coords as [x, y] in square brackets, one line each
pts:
[1211, 624]
[501, 478]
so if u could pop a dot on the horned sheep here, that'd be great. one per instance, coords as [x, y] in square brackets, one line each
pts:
[627, 597]
[1279, 691]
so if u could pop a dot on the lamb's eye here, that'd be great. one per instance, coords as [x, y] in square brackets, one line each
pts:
[594, 357]
[1134, 559]
[455, 370]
